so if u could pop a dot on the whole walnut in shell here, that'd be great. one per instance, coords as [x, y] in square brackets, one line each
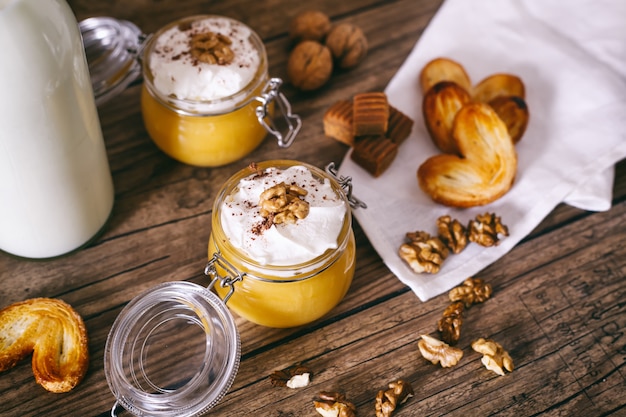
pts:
[348, 44]
[310, 65]
[311, 25]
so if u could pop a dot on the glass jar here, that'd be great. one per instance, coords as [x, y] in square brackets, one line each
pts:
[284, 295]
[172, 351]
[195, 119]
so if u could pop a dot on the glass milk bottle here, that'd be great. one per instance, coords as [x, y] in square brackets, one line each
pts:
[56, 191]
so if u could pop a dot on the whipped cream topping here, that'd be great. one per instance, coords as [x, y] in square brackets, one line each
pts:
[286, 243]
[177, 73]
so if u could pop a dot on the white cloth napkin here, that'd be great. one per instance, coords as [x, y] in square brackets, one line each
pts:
[572, 58]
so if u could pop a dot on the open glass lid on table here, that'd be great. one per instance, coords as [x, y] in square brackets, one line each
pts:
[172, 351]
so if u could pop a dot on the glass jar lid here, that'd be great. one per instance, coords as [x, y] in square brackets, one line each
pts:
[112, 47]
[172, 351]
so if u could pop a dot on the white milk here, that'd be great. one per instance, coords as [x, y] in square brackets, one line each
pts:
[56, 190]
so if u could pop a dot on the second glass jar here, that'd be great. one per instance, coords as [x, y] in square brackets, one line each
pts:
[279, 295]
[206, 113]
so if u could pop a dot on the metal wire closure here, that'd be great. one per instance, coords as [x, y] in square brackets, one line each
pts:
[113, 413]
[232, 274]
[346, 184]
[271, 93]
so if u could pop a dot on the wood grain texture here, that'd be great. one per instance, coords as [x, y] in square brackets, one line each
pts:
[558, 295]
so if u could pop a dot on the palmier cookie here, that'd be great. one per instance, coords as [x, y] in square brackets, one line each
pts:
[56, 336]
[486, 169]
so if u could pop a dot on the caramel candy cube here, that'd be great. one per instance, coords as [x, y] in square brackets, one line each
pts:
[370, 114]
[338, 122]
[400, 126]
[374, 153]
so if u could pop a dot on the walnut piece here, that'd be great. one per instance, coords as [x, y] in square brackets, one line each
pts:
[212, 48]
[309, 66]
[486, 229]
[423, 252]
[296, 376]
[452, 233]
[472, 291]
[449, 325]
[334, 404]
[348, 45]
[438, 352]
[495, 358]
[387, 401]
[283, 203]
[311, 25]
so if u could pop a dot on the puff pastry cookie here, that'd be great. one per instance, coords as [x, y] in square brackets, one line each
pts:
[486, 168]
[439, 107]
[54, 333]
[444, 69]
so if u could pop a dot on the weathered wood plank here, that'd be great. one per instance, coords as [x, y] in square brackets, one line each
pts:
[558, 296]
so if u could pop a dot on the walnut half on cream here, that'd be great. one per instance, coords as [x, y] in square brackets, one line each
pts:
[212, 48]
[284, 203]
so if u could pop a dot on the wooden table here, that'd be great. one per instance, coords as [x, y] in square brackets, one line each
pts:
[558, 304]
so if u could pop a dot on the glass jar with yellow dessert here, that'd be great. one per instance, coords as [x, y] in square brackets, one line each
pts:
[207, 98]
[281, 250]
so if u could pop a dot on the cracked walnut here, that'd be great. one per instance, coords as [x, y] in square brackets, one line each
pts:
[284, 203]
[423, 252]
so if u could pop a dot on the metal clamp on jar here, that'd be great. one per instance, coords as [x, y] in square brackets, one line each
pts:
[207, 99]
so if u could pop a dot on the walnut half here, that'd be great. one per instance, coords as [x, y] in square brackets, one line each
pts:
[387, 401]
[334, 404]
[212, 48]
[472, 291]
[452, 233]
[296, 376]
[486, 229]
[449, 325]
[284, 203]
[438, 352]
[423, 252]
[495, 358]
